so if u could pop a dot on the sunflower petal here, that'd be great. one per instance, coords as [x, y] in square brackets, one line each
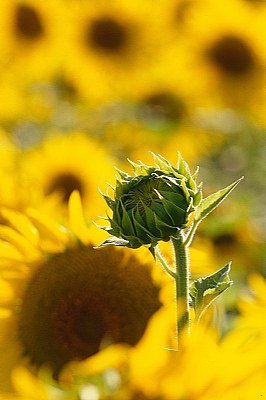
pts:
[77, 222]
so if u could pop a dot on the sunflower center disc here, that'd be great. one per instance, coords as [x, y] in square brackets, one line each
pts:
[27, 23]
[84, 299]
[65, 183]
[107, 34]
[232, 55]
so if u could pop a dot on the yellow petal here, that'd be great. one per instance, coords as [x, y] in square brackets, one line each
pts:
[111, 357]
[9, 252]
[77, 222]
[27, 385]
[5, 313]
[22, 224]
[53, 236]
[22, 244]
[6, 292]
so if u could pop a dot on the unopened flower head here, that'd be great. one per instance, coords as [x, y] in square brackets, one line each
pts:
[152, 205]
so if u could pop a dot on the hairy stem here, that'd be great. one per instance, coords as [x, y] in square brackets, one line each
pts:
[164, 263]
[182, 284]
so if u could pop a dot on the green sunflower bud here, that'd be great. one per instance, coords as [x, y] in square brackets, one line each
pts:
[152, 205]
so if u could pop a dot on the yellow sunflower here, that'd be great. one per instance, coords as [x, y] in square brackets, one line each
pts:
[111, 47]
[32, 37]
[63, 300]
[227, 53]
[163, 100]
[207, 367]
[63, 163]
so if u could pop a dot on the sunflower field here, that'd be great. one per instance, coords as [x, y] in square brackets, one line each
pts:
[87, 89]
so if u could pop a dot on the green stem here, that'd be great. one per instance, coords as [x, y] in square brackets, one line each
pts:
[163, 262]
[191, 233]
[182, 284]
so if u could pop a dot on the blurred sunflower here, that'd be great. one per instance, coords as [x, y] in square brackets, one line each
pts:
[63, 163]
[227, 53]
[163, 101]
[111, 47]
[204, 369]
[61, 299]
[32, 37]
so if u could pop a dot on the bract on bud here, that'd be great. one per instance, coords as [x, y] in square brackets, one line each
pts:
[152, 205]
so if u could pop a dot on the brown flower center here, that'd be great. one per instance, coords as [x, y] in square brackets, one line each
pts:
[82, 300]
[232, 55]
[27, 23]
[107, 35]
[65, 183]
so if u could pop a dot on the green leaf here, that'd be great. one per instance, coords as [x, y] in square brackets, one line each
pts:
[211, 202]
[204, 291]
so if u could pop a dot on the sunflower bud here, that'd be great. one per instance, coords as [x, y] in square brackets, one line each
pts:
[152, 205]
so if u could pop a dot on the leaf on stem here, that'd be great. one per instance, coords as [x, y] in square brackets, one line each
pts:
[211, 202]
[204, 291]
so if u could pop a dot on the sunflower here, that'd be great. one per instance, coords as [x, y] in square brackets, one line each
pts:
[163, 100]
[111, 47]
[63, 300]
[32, 37]
[63, 163]
[227, 53]
[207, 367]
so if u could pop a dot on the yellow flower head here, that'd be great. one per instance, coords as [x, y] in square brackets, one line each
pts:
[64, 163]
[111, 46]
[63, 300]
[227, 53]
[32, 37]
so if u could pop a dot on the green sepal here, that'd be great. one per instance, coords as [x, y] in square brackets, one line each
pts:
[133, 241]
[126, 222]
[183, 167]
[176, 213]
[110, 202]
[176, 198]
[161, 162]
[204, 291]
[114, 241]
[197, 198]
[123, 175]
[211, 202]
[141, 231]
[150, 219]
[160, 212]
[139, 169]
[166, 230]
